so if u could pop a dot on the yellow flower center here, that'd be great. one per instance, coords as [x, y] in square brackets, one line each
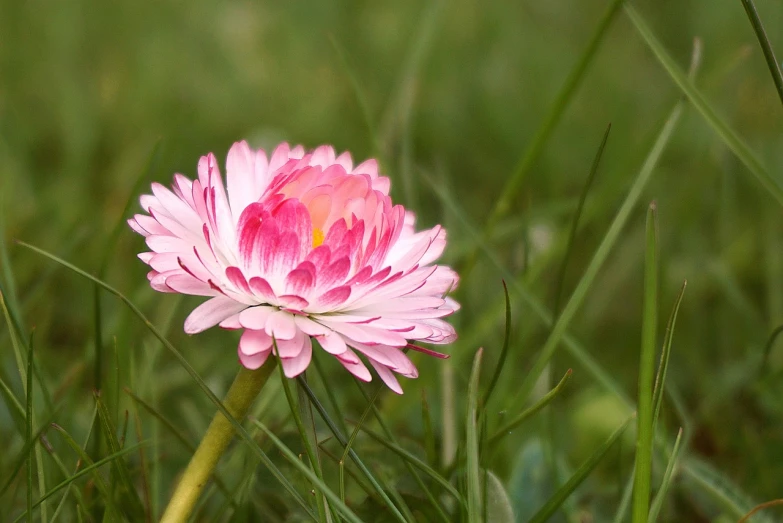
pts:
[318, 237]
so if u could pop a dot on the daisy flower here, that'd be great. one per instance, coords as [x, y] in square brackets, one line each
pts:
[301, 246]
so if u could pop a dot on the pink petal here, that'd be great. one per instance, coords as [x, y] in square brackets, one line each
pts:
[310, 327]
[366, 333]
[210, 313]
[332, 343]
[255, 318]
[386, 375]
[255, 361]
[357, 369]
[333, 298]
[300, 281]
[281, 325]
[231, 323]
[290, 348]
[187, 284]
[262, 289]
[240, 177]
[294, 366]
[237, 279]
[293, 302]
[254, 341]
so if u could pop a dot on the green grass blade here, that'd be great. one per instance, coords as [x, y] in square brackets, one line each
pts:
[8, 281]
[475, 510]
[660, 496]
[108, 249]
[575, 222]
[352, 438]
[625, 500]
[559, 106]
[152, 163]
[368, 489]
[305, 470]
[503, 352]
[411, 470]
[534, 304]
[768, 348]
[719, 487]
[355, 457]
[339, 418]
[21, 460]
[315, 463]
[358, 92]
[529, 412]
[729, 137]
[640, 507]
[166, 423]
[15, 406]
[193, 374]
[90, 469]
[29, 431]
[557, 499]
[308, 420]
[766, 46]
[119, 467]
[416, 462]
[663, 366]
[98, 478]
[429, 433]
[608, 242]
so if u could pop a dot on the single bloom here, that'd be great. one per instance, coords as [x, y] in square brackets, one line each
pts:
[301, 246]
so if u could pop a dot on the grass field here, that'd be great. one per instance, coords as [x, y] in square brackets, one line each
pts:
[488, 117]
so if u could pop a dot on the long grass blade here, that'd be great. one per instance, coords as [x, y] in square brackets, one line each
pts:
[559, 106]
[119, 467]
[411, 470]
[100, 482]
[29, 430]
[305, 470]
[610, 238]
[243, 434]
[660, 496]
[315, 463]
[729, 137]
[15, 406]
[416, 462]
[644, 425]
[429, 433]
[352, 438]
[503, 352]
[560, 280]
[766, 46]
[90, 469]
[475, 509]
[663, 365]
[355, 457]
[557, 499]
[108, 249]
[22, 457]
[531, 411]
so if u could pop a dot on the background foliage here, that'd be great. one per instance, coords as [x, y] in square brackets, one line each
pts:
[449, 95]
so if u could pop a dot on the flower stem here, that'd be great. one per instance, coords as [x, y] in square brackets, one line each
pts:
[243, 391]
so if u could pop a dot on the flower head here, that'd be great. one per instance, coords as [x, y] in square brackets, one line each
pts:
[299, 246]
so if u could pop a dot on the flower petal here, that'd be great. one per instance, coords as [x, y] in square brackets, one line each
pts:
[210, 313]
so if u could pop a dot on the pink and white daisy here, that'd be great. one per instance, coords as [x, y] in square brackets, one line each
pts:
[300, 246]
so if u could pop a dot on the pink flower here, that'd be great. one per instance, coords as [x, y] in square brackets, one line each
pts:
[301, 246]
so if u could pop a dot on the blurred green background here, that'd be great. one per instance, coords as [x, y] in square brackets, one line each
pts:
[446, 91]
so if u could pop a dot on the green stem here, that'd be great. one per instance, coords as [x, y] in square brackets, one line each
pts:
[243, 391]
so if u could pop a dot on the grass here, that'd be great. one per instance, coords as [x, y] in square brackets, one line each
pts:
[487, 119]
